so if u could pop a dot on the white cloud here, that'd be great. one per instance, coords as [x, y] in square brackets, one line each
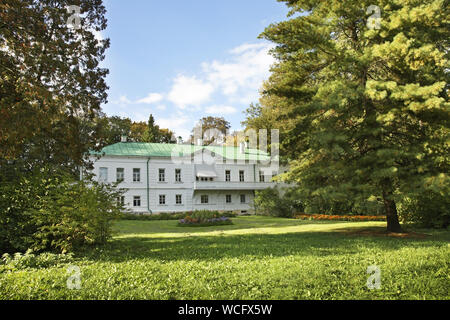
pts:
[161, 107]
[151, 98]
[220, 110]
[189, 91]
[122, 101]
[243, 74]
[179, 123]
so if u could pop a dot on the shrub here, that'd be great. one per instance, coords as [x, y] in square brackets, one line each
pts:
[19, 261]
[428, 209]
[151, 217]
[48, 210]
[271, 202]
[204, 218]
[169, 216]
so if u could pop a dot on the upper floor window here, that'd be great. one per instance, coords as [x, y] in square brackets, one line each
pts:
[261, 176]
[228, 198]
[204, 198]
[178, 175]
[120, 174]
[241, 176]
[136, 175]
[103, 175]
[162, 175]
[162, 199]
[136, 201]
[178, 199]
[227, 175]
[242, 198]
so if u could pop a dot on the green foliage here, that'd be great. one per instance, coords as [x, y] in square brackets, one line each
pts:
[47, 210]
[52, 84]
[210, 129]
[151, 217]
[256, 258]
[428, 209]
[272, 202]
[19, 261]
[173, 215]
[204, 218]
[364, 111]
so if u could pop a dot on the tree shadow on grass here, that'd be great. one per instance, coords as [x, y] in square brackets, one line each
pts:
[252, 246]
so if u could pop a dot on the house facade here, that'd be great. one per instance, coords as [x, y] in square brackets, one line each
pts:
[177, 178]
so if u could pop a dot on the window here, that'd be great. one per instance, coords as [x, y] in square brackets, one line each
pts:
[136, 201]
[136, 175]
[162, 199]
[178, 175]
[261, 176]
[228, 198]
[103, 175]
[162, 175]
[241, 175]
[120, 174]
[178, 199]
[227, 175]
[242, 198]
[121, 200]
[204, 198]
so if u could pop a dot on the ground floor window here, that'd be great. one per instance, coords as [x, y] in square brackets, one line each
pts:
[136, 201]
[242, 198]
[162, 199]
[204, 198]
[228, 198]
[178, 199]
[121, 200]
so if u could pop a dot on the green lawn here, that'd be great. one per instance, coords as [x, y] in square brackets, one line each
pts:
[255, 258]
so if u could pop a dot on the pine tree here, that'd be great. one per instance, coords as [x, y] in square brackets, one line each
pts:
[369, 97]
[153, 134]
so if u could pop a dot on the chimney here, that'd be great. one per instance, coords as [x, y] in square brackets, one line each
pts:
[242, 147]
[199, 142]
[123, 138]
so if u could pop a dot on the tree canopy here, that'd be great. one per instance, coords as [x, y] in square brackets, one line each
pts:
[51, 82]
[365, 105]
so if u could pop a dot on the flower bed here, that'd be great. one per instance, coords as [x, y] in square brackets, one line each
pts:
[204, 218]
[339, 217]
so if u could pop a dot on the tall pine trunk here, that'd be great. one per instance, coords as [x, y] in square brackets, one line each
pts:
[393, 225]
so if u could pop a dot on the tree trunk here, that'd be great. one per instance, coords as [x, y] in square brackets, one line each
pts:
[393, 225]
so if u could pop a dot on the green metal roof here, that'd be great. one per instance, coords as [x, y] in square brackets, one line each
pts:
[167, 150]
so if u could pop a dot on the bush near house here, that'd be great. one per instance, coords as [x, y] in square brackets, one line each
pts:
[169, 215]
[46, 209]
[204, 218]
[273, 202]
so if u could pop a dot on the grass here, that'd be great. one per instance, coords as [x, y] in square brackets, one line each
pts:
[255, 258]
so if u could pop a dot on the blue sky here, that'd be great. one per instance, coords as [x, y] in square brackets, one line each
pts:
[184, 59]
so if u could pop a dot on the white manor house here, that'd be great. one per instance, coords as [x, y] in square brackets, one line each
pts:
[162, 177]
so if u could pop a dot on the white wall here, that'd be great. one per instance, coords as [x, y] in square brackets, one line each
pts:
[170, 188]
